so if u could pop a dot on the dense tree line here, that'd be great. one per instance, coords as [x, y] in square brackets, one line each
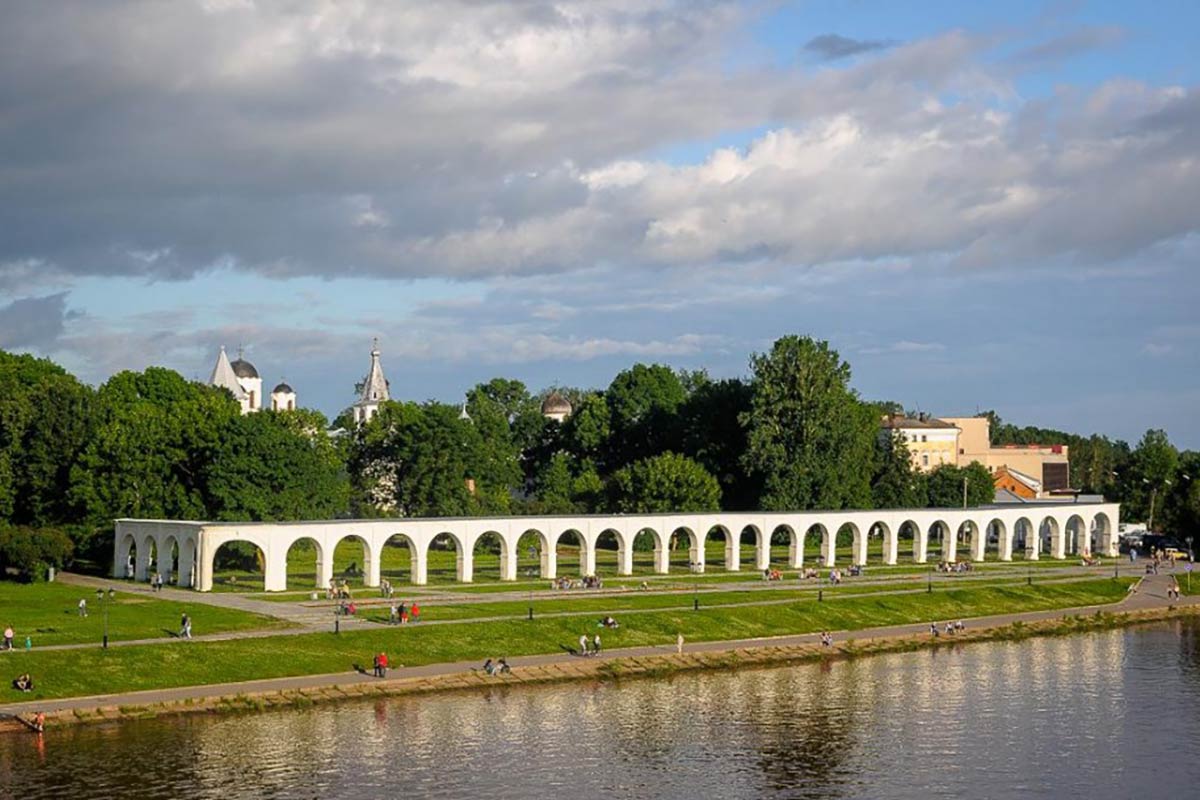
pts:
[793, 435]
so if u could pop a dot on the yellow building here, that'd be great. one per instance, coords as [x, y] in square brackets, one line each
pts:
[931, 442]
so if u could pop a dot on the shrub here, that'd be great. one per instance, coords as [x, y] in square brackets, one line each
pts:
[30, 552]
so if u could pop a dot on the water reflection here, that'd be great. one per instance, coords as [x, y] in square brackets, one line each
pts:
[1078, 716]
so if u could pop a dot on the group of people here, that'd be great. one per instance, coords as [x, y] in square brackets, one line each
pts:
[589, 649]
[23, 683]
[338, 591]
[951, 628]
[835, 576]
[772, 575]
[401, 614]
[385, 589]
[954, 566]
[156, 582]
[826, 639]
[381, 665]
[497, 667]
[586, 582]
[608, 622]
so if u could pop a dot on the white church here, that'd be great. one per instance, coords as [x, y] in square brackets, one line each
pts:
[241, 379]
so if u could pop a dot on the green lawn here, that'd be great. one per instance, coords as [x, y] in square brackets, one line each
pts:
[94, 671]
[48, 614]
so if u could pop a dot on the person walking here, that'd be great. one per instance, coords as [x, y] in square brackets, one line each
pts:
[8, 638]
[679, 644]
[583, 644]
[185, 626]
[596, 645]
[83, 606]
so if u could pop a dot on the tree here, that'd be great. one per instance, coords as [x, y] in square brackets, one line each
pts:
[276, 466]
[31, 552]
[896, 482]
[947, 482]
[644, 402]
[811, 440]
[1150, 475]
[665, 483]
[714, 436]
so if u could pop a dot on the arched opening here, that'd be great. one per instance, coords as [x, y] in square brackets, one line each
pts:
[1077, 533]
[1048, 538]
[168, 565]
[998, 541]
[888, 544]
[785, 550]
[815, 542]
[126, 562]
[751, 548]
[936, 549]
[1101, 535]
[239, 565]
[351, 561]
[530, 548]
[149, 559]
[570, 548]
[1025, 539]
[849, 542]
[909, 542]
[610, 552]
[648, 550]
[396, 559]
[488, 557]
[968, 544]
[686, 555]
[720, 548]
[444, 562]
[305, 561]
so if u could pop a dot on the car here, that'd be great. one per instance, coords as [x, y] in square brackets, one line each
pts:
[1175, 554]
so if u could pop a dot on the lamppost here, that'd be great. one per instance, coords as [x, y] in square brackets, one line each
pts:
[929, 585]
[695, 596]
[103, 599]
[337, 618]
[531, 605]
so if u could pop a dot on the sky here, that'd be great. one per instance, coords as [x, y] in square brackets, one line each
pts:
[980, 205]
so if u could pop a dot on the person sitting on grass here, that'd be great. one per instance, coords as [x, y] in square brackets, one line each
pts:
[23, 683]
[502, 667]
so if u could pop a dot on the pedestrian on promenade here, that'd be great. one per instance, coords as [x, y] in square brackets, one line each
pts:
[415, 612]
[185, 626]
[8, 638]
[83, 606]
[679, 644]
[596, 645]
[933, 629]
[583, 644]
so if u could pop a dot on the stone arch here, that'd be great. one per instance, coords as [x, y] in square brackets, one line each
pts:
[968, 541]
[937, 541]
[169, 559]
[490, 554]
[399, 555]
[910, 529]
[730, 551]
[125, 563]
[659, 546]
[760, 549]
[1077, 535]
[350, 566]
[587, 562]
[243, 562]
[1025, 538]
[891, 541]
[612, 550]
[695, 549]
[1049, 531]
[187, 563]
[997, 530]
[147, 557]
[319, 570]
[1102, 534]
[858, 544]
[437, 563]
[818, 535]
[794, 557]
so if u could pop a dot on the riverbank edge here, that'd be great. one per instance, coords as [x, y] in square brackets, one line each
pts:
[606, 670]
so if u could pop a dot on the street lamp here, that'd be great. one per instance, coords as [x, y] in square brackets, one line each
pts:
[695, 596]
[104, 599]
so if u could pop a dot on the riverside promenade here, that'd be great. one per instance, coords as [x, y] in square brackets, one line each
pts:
[1151, 596]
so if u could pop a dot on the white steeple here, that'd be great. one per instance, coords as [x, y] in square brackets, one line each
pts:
[374, 390]
[224, 377]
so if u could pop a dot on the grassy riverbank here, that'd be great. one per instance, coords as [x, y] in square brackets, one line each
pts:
[87, 672]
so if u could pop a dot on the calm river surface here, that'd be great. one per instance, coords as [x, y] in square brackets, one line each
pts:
[1107, 715]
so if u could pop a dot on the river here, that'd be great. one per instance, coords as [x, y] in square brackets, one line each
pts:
[1114, 714]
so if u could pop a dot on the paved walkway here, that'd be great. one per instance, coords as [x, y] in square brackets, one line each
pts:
[1151, 593]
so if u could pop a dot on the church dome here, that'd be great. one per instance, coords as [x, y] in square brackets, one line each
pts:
[283, 388]
[244, 369]
[555, 403]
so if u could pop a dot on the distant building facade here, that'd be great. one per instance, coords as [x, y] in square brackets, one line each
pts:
[1033, 471]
